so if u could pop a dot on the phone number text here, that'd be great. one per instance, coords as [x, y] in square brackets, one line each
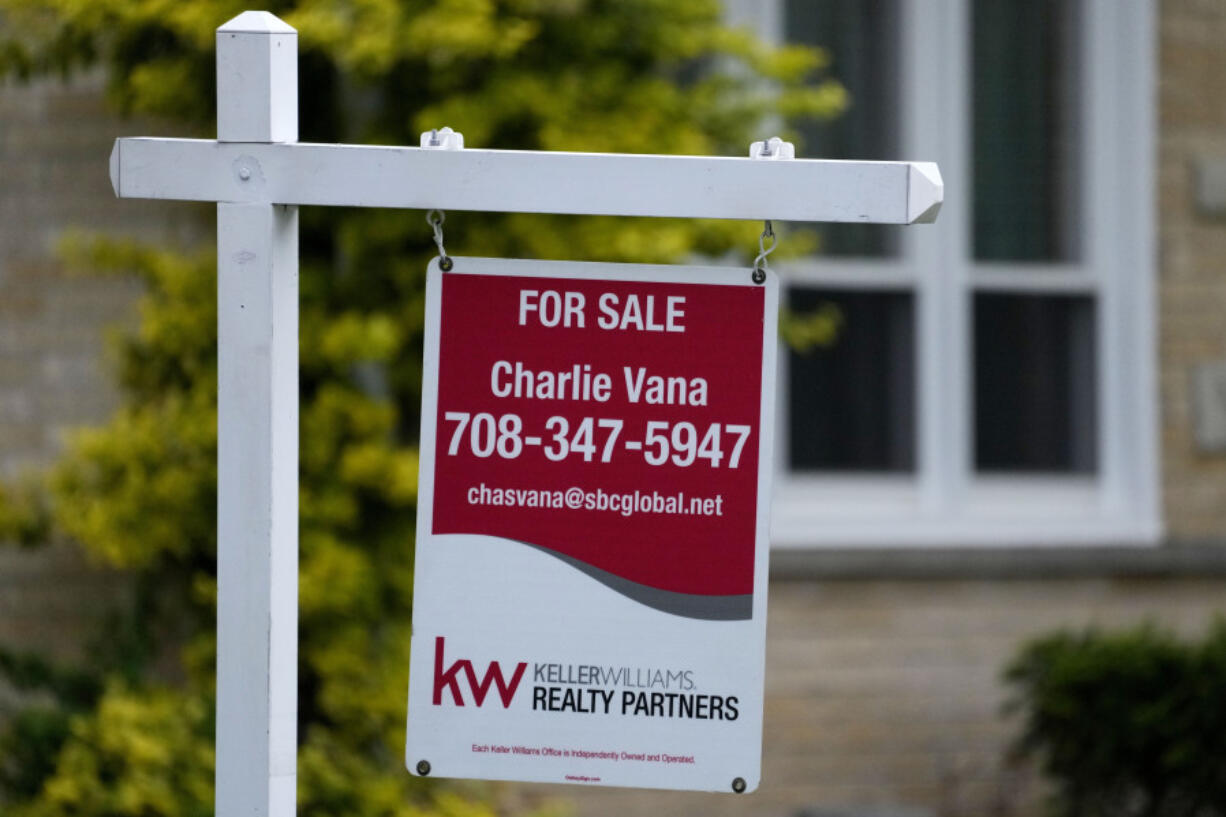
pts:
[597, 439]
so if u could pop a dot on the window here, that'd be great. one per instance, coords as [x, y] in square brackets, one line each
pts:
[851, 402]
[862, 41]
[988, 380]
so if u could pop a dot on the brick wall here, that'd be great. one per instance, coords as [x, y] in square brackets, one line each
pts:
[883, 697]
[1192, 261]
[54, 142]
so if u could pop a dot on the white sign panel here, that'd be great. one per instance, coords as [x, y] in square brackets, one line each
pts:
[590, 590]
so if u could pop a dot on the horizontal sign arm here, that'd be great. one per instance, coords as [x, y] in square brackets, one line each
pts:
[527, 181]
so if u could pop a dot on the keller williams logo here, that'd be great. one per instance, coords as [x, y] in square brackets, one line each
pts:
[449, 679]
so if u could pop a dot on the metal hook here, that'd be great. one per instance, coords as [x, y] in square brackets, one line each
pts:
[759, 263]
[435, 219]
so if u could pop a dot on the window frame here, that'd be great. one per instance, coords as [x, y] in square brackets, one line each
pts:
[944, 502]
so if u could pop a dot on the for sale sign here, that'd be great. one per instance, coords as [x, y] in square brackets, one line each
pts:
[590, 590]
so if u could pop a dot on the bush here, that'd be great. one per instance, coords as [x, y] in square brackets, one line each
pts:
[1127, 723]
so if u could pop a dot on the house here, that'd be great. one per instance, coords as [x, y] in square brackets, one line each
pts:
[1020, 426]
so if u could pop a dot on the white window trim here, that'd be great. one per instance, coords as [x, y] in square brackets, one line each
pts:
[945, 503]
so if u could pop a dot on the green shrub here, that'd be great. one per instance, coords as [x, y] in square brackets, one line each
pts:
[1127, 723]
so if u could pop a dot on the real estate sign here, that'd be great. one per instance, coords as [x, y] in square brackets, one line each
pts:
[590, 590]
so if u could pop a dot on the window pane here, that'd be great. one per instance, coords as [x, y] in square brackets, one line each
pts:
[851, 395]
[862, 39]
[1024, 130]
[1035, 407]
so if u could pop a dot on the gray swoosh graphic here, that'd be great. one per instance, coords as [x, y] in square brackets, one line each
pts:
[687, 605]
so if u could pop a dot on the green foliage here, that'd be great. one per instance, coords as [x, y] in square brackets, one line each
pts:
[805, 331]
[24, 516]
[28, 748]
[138, 752]
[1126, 724]
[138, 494]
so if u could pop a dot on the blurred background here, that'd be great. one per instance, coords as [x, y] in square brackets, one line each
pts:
[999, 530]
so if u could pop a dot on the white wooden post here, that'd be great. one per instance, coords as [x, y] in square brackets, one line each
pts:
[257, 429]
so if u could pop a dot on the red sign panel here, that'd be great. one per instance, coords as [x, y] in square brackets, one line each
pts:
[625, 397]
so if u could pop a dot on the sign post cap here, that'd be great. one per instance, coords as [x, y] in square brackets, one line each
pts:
[925, 192]
[256, 22]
